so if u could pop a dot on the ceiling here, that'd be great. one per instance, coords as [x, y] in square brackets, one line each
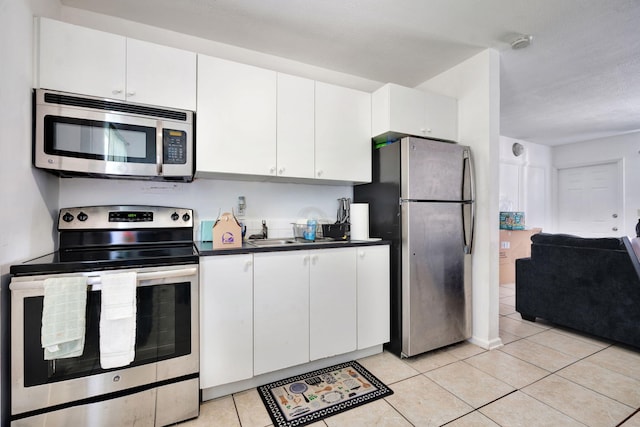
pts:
[579, 79]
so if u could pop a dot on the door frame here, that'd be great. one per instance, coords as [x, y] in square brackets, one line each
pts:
[620, 164]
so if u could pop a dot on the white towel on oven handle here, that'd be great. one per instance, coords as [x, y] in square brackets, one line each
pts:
[63, 317]
[118, 319]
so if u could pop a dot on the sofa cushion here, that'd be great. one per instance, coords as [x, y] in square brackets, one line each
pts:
[611, 243]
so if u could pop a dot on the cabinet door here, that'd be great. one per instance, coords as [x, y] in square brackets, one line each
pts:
[332, 302]
[295, 126]
[281, 310]
[343, 134]
[373, 295]
[407, 110]
[160, 75]
[441, 117]
[81, 60]
[236, 126]
[226, 319]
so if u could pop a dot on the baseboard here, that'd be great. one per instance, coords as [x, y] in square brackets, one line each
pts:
[487, 344]
[226, 389]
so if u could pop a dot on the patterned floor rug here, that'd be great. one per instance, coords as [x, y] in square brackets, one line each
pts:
[307, 398]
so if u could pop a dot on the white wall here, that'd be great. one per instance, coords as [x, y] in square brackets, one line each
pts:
[622, 147]
[476, 84]
[28, 198]
[525, 182]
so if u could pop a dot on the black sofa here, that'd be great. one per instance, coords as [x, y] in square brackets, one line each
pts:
[588, 284]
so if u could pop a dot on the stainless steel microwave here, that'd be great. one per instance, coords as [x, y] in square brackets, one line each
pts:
[89, 136]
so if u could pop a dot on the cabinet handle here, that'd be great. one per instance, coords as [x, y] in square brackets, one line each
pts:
[116, 91]
[248, 265]
[425, 130]
[280, 171]
[305, 259]
[131, 94]
[362, 254]
[272, 170]
[314, 259]
[320, 173]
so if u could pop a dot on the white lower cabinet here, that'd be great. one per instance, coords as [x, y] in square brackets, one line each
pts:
[373, 278]
[281, 310]
[226, 319]
[268, 311]
[332, 302]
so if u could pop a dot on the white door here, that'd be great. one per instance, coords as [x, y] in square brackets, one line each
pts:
[373, 296]
[332, 302]
[342, 133]
[295, 126]
[590, 200]
[160, 75]
[236, 124]
[81, 60]
[281, 310]
[226, 319]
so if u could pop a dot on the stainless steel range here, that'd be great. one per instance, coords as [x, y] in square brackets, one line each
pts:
[160, 386]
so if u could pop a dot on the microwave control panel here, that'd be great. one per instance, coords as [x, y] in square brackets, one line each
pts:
[174, 147]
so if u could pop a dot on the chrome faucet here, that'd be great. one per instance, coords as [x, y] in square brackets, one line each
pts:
[264, 229]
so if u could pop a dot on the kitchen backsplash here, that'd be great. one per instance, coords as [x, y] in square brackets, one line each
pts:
[279, 204]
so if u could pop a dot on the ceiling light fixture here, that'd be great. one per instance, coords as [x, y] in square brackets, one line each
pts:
[522, 41]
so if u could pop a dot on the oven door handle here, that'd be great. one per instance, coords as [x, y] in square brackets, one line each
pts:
[94, 282]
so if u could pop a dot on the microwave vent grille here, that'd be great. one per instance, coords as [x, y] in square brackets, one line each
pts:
[99, 104]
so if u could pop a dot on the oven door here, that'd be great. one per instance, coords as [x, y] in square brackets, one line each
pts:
[166, 348]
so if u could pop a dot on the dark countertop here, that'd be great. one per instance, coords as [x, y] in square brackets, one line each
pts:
[206, 248]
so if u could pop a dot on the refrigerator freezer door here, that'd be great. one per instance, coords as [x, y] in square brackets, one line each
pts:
[436, 291]
[433, 170]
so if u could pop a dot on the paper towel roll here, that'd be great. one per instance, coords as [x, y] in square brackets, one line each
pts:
[359, 214]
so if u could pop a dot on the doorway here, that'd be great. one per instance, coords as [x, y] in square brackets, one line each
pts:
[590, 200]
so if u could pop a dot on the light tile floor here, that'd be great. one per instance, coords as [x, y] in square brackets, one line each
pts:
[543, 376]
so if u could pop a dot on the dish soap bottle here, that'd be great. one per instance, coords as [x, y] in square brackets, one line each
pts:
[310, 233]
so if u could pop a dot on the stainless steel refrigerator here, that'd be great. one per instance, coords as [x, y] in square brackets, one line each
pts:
[422, 200]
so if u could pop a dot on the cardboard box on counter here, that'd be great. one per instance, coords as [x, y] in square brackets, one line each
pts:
[514, 244]
[226, 232]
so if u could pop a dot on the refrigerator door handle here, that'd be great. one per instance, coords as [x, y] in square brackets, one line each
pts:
[469, 177]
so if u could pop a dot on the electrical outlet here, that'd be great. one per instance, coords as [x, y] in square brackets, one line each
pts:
[242, 206]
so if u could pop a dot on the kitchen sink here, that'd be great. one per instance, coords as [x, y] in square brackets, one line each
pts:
[261, 243]
[265, 243]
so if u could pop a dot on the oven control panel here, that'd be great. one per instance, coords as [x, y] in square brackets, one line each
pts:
[124, 217]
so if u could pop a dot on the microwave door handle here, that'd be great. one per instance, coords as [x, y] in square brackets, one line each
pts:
[159, 154]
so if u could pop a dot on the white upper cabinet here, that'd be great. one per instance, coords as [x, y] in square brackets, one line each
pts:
[90, 62]
[236, 126]
[256, 122]
[160, 75]
[399, 111]
[295, 126]
[343, 134]
[81, 60]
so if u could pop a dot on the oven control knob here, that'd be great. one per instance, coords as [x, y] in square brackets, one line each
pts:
[186, 217]
[83, 216]
[175, 216]
[67, 217]
[116, 378]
